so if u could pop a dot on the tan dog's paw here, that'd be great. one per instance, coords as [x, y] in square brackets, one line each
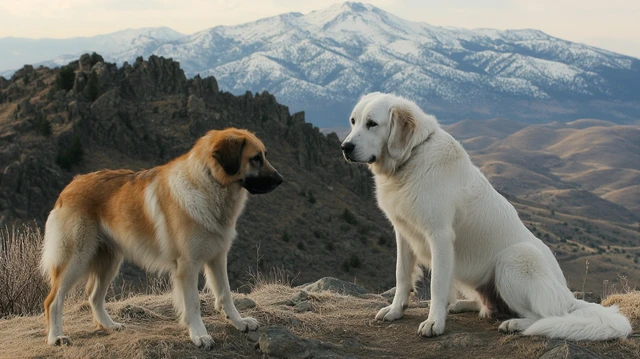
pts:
[246, 324]
[203, 341]
[59, 340]
[390, 313]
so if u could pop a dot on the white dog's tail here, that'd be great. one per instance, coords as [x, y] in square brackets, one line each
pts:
[589, 321]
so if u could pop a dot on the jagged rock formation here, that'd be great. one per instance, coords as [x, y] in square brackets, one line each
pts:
[146, 113]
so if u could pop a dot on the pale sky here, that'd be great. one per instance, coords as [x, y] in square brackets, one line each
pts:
[610, 24]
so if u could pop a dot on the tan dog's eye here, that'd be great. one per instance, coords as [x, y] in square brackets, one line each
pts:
[371, 124]
[353, 121]
[257, 158]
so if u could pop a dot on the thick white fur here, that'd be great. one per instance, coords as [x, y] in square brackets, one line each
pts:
[449, 218]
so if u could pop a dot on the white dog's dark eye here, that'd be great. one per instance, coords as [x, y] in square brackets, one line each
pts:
[353, 121]
[371, 124]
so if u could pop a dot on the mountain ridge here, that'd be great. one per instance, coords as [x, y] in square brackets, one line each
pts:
[321, 62]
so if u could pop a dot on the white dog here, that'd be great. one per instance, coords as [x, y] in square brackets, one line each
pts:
[449, 218]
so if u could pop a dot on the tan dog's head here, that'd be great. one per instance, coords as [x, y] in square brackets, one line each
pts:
[238, 156]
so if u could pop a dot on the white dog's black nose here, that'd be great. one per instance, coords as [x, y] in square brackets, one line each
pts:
[347, 147]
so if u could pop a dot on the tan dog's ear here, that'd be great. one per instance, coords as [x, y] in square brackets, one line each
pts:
[228, 153]
[403, 126]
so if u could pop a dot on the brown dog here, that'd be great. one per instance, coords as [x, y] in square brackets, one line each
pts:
[175, 218]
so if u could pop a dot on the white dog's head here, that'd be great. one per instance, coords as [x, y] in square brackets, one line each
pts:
[384, 128]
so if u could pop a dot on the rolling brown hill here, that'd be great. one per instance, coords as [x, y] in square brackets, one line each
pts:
[588, 167]
[323, 221]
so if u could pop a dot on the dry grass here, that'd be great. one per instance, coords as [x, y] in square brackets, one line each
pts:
[23, 288]
[629, 304]
[345, 322]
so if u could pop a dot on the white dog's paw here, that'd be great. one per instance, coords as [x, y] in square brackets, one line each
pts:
[203, 341]
[390, 313]
[246, 324]
[515, 325]
[484, 312]
[431, 328]
[59, 340]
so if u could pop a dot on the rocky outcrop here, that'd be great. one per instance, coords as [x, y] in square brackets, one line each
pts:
[146, 113]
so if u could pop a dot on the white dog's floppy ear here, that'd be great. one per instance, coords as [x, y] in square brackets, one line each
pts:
[403, 126]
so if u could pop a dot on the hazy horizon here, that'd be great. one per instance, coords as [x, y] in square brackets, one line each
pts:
[612, 26]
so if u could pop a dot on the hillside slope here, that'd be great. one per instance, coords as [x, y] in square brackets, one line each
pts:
[322, 221]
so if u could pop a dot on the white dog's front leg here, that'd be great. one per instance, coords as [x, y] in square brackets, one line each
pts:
[405, 265]
[216, 271]
[442, 257]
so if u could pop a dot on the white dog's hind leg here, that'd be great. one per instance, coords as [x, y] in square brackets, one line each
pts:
[516, 325]
[405, 268]
[527, 284]
[442, 262]
[218, 281]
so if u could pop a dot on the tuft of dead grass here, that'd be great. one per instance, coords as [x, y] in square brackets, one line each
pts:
[629, 304]
[23, 288]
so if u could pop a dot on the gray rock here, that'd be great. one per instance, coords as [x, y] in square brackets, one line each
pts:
[134, 311]
[336, 285]
[244, 304]
[460, 340]
[253, 336]
[569, 351]
[303, 307]
[279, 342]
[388, 295]
[300, 297]
[590, 297]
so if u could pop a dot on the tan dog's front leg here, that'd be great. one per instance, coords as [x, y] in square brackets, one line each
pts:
[218, 282]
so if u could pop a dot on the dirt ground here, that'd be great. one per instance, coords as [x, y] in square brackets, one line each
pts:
[344, 323]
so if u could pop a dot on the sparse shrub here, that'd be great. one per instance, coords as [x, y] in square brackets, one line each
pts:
[95, 58]
[301, 246]
[354, 261]
[42, 126]
[318, 234]
[285, 237]
[65, 78]
[363, 240]
[330, 246]
[364, 229]
[311, 198]
[92, 86]
[348, 217]
[23, 288]
[69, 156]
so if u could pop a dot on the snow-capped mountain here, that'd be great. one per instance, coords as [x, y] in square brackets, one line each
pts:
[323, 61]
[15, 52]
